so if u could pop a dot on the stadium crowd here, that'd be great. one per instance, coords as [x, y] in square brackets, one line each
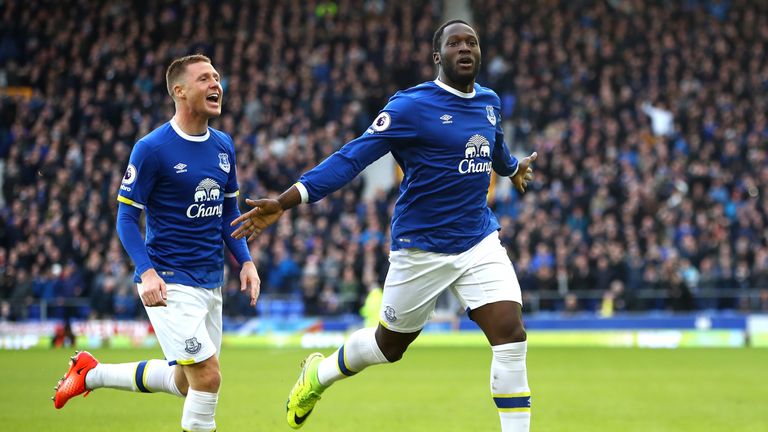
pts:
[649, 119]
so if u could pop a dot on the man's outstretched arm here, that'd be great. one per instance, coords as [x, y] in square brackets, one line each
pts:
[264, 213]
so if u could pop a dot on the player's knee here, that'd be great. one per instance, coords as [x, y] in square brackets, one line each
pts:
[205, 376]
[393, 344]
[393, 353]
[183, 386]
[513, 332]
[518, 334]
[212, 381]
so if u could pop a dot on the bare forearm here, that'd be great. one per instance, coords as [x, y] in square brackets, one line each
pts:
[290, 198]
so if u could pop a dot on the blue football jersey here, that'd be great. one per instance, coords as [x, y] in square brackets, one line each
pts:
[180, 181]
[446, 142]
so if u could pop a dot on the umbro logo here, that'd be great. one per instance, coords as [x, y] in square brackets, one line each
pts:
[446, 118]
[180, 168]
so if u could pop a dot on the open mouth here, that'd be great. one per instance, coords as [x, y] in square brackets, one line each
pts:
[466, 62]
[213, 97]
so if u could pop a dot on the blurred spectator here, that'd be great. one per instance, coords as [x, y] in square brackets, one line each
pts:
[63, 337]
[349, 291]
[125, 303]
[662, 119]
[236, 305]
[21, 296]
[571, 304]
[679, 295]
[103, 299]
[310, 287]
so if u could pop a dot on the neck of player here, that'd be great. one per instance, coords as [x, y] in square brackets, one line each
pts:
[464, 88]
[190, 122]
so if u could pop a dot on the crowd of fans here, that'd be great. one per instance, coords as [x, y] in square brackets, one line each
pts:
[649, 119]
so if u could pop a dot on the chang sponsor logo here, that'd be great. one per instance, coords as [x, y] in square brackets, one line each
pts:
[206, 191]
[477, 147]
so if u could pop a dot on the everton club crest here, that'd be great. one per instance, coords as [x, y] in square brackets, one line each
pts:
[192, 345]
[224, 162]
[490, 115]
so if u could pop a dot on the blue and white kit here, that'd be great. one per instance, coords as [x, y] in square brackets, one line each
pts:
[187, 185]
[447, 143]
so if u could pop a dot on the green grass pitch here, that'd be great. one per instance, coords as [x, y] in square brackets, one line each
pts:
[432, 389]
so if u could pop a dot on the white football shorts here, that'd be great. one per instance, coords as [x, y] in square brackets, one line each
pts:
[478, 276]
[189, 328]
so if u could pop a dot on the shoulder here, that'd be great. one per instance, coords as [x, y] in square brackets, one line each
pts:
[222, 137]
[217, 134]
[421, 91]
[409, 98]
[486, 93]
[155, 138]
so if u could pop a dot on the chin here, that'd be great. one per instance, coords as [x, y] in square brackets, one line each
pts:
[465, 79]
[462, 78]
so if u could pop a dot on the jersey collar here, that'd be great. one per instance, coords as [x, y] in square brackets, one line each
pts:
[188, 137]
[452, 90]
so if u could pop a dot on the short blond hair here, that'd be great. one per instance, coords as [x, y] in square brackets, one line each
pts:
[179, 66]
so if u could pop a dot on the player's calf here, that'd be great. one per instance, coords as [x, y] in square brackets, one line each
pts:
[199, 411]
[509, 386]
[203, 395]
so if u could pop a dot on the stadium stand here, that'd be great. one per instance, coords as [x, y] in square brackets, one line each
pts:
[649, 119]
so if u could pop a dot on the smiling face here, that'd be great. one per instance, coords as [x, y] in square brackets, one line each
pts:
[459, 56]
[199, 89]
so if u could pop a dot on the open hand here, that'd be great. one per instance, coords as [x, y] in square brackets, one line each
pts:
[264, 213]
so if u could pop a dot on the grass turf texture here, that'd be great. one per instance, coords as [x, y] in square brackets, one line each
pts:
[432, 389]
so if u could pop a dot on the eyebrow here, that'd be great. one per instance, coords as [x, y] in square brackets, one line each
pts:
[215, 74]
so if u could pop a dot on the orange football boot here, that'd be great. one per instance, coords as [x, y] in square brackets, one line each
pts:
[73, 383]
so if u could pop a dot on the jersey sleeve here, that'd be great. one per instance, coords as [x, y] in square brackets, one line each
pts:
[232, 189]
[396, 122]
[130, 236]
[140, 176]
[502, 160]
[238, 247]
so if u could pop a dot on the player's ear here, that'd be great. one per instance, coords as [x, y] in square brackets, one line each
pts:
[178, 91]
[436, 57]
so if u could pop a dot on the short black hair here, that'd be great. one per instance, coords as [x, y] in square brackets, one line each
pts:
[439, 33]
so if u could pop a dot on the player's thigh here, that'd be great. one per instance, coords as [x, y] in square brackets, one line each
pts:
[180, 326]
[414, 281]
[487, 277]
